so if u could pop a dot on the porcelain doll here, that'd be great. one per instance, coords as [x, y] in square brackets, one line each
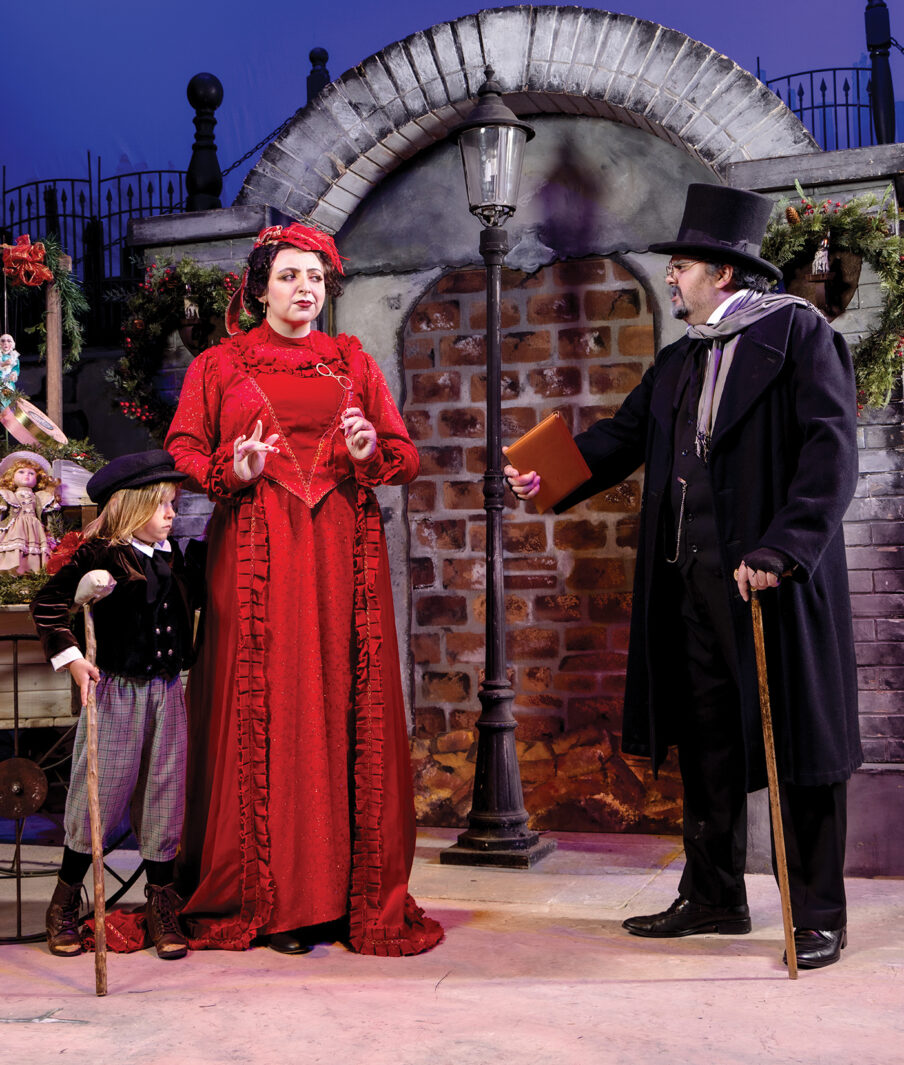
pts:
[28, 493]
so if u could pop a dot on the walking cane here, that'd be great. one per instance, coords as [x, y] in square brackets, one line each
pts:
[775, 809]
[88, 591]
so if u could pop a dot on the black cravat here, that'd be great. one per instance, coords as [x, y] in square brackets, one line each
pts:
[159, 573]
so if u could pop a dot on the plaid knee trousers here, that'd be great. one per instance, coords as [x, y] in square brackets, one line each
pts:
[141, 745]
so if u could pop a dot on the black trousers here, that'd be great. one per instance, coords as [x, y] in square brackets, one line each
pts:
[711, 758]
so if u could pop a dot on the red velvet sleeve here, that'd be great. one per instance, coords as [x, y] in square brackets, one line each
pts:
[194, 435]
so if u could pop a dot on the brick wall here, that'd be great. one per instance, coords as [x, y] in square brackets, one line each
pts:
[874, 532]
[577, 337]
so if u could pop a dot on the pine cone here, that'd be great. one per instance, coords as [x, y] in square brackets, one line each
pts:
[792, 216]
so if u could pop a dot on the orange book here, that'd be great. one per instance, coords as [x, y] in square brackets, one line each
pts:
[550, 450]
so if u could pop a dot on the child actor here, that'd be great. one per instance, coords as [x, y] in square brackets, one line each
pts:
[144, 635]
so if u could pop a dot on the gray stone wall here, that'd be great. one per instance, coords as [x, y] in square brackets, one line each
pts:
[588, 187]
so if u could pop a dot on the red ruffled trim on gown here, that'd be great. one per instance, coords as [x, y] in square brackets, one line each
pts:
[383, 918]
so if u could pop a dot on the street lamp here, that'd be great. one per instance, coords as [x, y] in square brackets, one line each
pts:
[492, 140]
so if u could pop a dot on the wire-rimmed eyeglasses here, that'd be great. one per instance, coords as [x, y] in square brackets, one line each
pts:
[325, 371]
[678, 267]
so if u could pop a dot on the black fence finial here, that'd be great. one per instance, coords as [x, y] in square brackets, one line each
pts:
[204, 180]
[878, 41]
[319, 76]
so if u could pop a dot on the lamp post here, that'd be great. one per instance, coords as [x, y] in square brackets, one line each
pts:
[492, 140]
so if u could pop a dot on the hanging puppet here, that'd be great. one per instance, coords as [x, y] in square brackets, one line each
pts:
[9, 370]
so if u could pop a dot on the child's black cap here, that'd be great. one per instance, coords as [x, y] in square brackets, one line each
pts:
[132, 471]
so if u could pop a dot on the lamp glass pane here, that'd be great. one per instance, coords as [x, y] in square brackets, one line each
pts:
[492, 156]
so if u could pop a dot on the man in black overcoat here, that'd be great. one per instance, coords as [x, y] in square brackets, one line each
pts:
[747, 429]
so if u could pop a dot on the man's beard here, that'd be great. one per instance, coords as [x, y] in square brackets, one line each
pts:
[680, 309]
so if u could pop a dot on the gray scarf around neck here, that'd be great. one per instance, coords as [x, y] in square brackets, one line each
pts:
[750, 311]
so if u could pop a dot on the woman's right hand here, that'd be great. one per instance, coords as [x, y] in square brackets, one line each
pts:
[524, 485]
[249, 453]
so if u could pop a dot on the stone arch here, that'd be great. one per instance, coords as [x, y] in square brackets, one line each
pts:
[567, 60]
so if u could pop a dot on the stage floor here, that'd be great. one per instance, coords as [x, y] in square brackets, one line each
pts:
[535, 970]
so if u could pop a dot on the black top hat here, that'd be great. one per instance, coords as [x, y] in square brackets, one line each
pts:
[721, 224]
[132, 471]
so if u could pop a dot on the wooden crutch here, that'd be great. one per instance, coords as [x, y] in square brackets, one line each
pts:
[775, 808]
[92, 587]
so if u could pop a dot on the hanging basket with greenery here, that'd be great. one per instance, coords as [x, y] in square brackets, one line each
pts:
[183, 298]
[867, 227]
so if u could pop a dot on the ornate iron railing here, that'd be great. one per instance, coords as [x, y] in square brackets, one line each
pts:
[91, 217]
[833, 103]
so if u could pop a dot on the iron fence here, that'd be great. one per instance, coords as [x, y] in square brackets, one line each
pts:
[91, 217]
[833, 103]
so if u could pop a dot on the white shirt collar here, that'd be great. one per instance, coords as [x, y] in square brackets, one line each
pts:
[149, 549]
[726, 305]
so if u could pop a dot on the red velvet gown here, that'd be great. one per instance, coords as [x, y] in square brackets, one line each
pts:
[299, 807]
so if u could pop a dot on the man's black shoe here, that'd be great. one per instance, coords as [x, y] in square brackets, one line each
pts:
[815, 948]
[686, 918]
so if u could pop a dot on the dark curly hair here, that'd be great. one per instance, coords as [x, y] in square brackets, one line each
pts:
[745, 277]
[260, 262]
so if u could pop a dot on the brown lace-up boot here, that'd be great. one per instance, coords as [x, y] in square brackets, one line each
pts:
[163, 924]
[62, 920]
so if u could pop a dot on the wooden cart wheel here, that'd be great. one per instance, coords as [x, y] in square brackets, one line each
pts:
[24, 785]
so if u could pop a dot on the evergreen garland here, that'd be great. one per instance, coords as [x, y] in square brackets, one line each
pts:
[21, 587]
[81, 451]
[72, 304]
[151, 315]
[866, 227]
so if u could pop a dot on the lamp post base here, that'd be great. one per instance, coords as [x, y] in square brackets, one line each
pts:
[502, 853]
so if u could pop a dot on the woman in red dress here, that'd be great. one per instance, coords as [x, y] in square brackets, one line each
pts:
[299, 805]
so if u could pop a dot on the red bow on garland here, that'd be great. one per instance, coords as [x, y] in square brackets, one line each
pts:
[24, 262]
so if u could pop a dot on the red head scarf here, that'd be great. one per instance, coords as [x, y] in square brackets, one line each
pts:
[305, 238]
